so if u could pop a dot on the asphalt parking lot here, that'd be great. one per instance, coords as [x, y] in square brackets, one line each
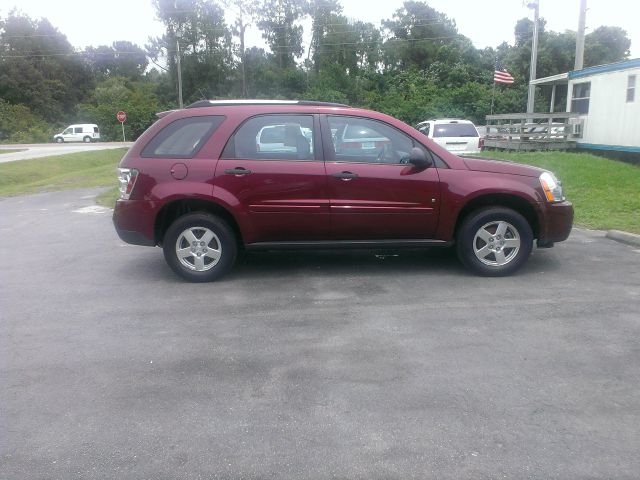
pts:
[310, 365]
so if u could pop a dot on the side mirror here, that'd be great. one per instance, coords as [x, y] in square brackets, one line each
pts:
[418, 158]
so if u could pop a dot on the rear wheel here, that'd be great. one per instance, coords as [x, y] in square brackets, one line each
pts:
[494, 241]
[200, 247]
[87, 139]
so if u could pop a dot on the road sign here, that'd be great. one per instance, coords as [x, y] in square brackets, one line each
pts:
[121, 116]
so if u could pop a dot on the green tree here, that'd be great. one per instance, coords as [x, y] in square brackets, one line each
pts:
[277, 20]
[121, 59]
[417, 31]
[18, 124]
[606, 45]
[137, 99]
[205, 40]
[39, 68]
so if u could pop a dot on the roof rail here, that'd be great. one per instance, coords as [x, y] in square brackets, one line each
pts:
[220, 103]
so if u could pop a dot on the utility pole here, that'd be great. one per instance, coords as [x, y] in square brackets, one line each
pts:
[241, 28]
[535, 5]
[180, 104]
[579, 63]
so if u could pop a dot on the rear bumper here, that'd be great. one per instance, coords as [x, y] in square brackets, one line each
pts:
[134, 238]
[557, 221]
[134, 221]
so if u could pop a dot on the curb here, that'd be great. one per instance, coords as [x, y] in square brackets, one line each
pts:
[624, 237]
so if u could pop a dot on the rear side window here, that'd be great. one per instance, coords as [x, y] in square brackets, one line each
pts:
[78, 129]
[95, 129]
[183, 138]
[454, 130]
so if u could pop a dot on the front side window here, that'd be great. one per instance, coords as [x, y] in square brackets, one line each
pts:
[631, 88]
[368, 141]
[273, 137]
[182, 138]
[68, 131]
[580, 97]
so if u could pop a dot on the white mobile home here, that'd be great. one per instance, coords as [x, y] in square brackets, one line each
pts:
[606, 99]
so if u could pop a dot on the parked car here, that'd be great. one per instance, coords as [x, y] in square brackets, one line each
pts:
[197, 184]
[458, 136]
[85, 132]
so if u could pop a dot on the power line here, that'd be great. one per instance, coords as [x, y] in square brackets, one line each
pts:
[227, 30]
[382, 43]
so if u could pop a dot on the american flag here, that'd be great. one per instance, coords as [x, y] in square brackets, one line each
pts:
[500, 75]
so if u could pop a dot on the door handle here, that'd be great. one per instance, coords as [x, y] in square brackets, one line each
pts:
[237, 171]
[345, 175]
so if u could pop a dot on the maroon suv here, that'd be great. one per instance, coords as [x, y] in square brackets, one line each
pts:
[216, 177]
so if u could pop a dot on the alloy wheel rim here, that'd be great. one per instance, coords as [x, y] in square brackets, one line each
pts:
[198, 249]
[496, 243]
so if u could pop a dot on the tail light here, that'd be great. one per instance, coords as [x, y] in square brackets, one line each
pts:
[127, 178]
[481, 143]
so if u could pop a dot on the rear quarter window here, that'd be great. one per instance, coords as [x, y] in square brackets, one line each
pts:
[454, 130]
[182, 138]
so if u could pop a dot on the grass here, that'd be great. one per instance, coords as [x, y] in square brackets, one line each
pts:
[605, 193]
[74, 170]
[11, 150]
[108, 198]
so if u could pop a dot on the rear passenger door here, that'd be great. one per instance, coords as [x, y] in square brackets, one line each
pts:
[271, 171]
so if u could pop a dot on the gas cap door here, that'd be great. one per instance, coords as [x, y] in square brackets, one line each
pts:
[179, 171]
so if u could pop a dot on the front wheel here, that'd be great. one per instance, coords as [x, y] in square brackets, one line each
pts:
[494, 242]
[200, 247]
[59, 140]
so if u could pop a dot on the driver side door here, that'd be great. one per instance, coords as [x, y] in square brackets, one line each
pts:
[373, 193]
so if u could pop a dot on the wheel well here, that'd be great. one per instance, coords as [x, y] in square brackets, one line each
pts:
[513, 202]
[176, 209]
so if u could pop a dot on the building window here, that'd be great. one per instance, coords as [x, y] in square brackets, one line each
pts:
[580, 97]
[631, 88]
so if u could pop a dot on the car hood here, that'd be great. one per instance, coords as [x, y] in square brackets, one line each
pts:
[500, 166]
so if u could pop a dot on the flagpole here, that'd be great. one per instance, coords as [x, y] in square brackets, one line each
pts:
[493, 95]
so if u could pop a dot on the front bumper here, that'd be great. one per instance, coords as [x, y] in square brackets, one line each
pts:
[556, 222]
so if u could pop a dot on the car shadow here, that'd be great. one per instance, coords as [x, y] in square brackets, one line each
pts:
[437, 262]
[333, 262]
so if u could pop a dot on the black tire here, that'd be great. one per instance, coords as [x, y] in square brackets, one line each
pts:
[86, 139]
[59, 140]
[496, 255]
[197, 264]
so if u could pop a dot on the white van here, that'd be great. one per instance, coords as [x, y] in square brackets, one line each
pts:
[458, 136]
[85, 132]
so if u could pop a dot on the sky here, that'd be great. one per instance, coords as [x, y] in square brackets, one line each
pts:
[486, 22]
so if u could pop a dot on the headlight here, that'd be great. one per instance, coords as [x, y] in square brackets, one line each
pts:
[552, 187]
